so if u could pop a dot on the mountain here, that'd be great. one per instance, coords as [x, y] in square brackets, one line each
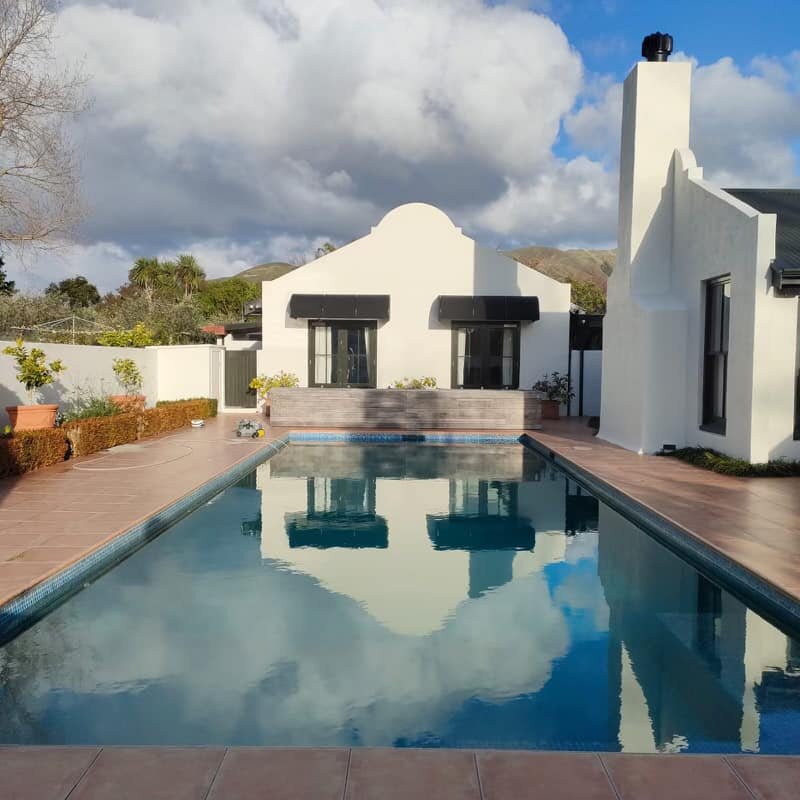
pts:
[563, 265]
[567, 265]
[264, 272]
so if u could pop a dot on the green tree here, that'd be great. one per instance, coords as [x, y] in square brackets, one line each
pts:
[326, 248]
[78, 291]
[7, 287]
[146, 275]
[589, 297]
[189, 275]
[222, 300]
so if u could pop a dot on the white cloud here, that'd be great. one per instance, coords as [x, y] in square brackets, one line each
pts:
[744, 121]
[240, 127]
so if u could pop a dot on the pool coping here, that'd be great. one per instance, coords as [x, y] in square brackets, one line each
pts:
[764, 596]
[758, 592]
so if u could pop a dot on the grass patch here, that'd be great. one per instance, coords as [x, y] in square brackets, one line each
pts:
[738, 467]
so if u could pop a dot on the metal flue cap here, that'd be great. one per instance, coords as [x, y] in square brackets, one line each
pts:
[657, 46]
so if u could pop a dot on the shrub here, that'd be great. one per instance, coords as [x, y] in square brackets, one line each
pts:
[282, 380]
[88, 436]
[555, 386]
[128, 375]
[589, 297]
[194, 408]
[415, 383]
[89, 407]
[33, 372]
[137, 336]
[728, 465]
[28, 450]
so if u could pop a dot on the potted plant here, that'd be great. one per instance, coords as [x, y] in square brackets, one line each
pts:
[130, 379]
[557, 391]
[263, 383]
[33, 372]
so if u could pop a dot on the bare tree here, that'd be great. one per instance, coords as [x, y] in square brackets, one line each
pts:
[39, 198]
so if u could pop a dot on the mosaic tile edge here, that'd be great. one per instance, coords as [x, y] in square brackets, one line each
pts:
[753, 589]
[29, 607]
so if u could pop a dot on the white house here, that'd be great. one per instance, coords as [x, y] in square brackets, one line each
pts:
[701, 335]
[415, 298]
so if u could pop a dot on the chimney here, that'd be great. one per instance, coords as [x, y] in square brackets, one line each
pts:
[655, 122]
[657, 46]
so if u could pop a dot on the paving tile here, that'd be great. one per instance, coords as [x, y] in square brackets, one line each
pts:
[663, 777]
[769, 777]
[395, 774]
[166, 773]
[256, 774]
[49, 554]
[42, 773]
[542, 776]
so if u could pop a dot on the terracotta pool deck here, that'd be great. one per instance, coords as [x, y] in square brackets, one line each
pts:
[56, 516]
[167, 773]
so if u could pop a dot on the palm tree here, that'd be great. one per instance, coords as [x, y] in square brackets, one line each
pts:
[146, 275]
[188, 274]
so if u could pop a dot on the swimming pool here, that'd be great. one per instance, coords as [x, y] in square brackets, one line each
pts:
[421, 595]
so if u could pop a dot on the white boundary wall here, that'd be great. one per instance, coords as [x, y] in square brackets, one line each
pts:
[170, 373]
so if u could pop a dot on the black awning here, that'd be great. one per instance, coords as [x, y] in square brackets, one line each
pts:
[488, 308]
[339, 306]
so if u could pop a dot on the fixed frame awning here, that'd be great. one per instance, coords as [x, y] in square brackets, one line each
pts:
[339, 306]
[488, 308]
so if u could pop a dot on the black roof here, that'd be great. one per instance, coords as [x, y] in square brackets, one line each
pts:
[786, 204]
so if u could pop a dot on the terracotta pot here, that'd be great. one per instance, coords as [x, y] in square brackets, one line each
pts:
[130, 402]
[550, 409]
[30, 418]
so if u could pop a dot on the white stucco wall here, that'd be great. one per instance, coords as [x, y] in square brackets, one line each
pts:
[677, 231]
[414, 255]
[186, 371]
[89, 370]
[170, 373]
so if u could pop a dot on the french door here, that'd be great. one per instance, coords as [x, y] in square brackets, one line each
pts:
[485, 356]
[342, 354]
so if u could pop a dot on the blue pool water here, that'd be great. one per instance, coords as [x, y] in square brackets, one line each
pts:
[405, 595]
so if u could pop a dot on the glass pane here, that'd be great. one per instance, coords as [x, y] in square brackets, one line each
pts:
[508, 342]
[726, 314]
[508, 371]
[496, 338]
[719, 386]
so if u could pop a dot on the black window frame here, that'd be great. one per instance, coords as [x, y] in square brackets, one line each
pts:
[716, 342]
[371, 327]
[515, 326]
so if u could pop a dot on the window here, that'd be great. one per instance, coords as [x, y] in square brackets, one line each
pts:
[485, 356]
[715, 363]
[797, 387]
[342, 354]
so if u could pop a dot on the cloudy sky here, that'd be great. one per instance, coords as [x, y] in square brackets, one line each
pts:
[246, 131]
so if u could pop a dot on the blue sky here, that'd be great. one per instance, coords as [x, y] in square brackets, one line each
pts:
[306, 121]
[608, 33]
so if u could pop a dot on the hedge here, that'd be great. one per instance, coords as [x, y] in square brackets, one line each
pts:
[28, 450]
[196, 407]
[728, 465]
[87, 436]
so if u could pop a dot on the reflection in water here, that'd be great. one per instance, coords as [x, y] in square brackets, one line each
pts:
[407, 595]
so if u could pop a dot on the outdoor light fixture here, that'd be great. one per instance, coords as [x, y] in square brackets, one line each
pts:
[657, 46]
[786, 280]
